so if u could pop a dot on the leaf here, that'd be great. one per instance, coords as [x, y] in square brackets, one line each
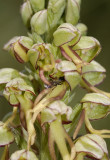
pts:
[19, 138]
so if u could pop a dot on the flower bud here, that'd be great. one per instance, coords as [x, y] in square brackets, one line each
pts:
[50, 113]
[87, 48]
[26, 13]
[66, 66]
[39, 22]
[40, 56]
[37, 5]
[91, 145]
[82, 28]
[72, 12]
[18, 47]
[55, 11]
[96, 105]
[70, 73]
[73, 79]
[17, 87]
[66, 34]
[7, 74]
[23, 154]
[97, 98]
[6, 136]
[93, 73]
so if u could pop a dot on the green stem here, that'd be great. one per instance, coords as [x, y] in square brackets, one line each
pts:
[58, 135]
[93, 131]
[56, 93]
[74, 56]
[5, 155]
[12, 117]
[26, 105]
[89, 87]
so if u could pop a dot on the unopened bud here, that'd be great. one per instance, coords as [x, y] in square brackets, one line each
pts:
[18, 47]
[18, 87]
[40, 55]
[66, 34]
[87, 48]
[26, 13]
[39, 22]
[92, 145]
[73, 12]
[55, 11]
[6, 136]
[82, 28]
[37, 5]
[23, 154]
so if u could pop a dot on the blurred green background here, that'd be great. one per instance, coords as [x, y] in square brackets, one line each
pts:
[94, 13]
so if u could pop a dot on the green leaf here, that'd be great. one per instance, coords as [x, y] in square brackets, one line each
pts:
[16, 120]
[23, 154]
[87, 48]
[6, 136]
[19, 138]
